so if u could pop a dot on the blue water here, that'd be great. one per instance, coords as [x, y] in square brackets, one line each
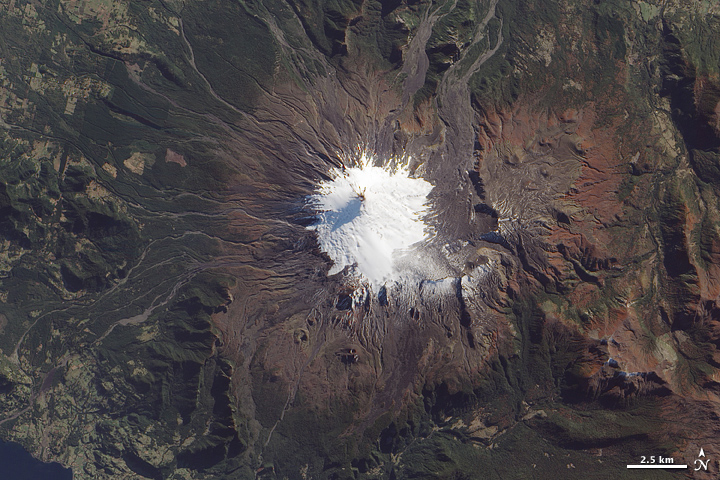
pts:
[17, 464]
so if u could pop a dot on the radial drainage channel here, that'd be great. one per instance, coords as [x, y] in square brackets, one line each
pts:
[371, 219]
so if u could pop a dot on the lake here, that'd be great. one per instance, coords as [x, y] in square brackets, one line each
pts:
[18, 464]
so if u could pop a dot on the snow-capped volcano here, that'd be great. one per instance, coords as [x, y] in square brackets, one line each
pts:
[370, 217]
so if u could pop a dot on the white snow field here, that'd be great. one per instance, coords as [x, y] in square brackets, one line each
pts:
[369, 217]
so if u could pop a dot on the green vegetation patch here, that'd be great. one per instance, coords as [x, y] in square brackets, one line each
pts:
[238, 67]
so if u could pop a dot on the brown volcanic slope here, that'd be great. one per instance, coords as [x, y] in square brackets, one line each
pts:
[166, 314]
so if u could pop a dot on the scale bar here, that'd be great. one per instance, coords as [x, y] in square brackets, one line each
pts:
[657, 466]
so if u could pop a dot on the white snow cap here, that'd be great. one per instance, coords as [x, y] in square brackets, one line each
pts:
[370, 217]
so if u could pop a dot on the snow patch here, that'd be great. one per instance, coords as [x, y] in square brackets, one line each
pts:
[370, 217]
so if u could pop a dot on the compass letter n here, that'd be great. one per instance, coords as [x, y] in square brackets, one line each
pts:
[703, 464]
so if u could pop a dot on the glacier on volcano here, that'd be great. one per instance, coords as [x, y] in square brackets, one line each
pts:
[370, 217]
